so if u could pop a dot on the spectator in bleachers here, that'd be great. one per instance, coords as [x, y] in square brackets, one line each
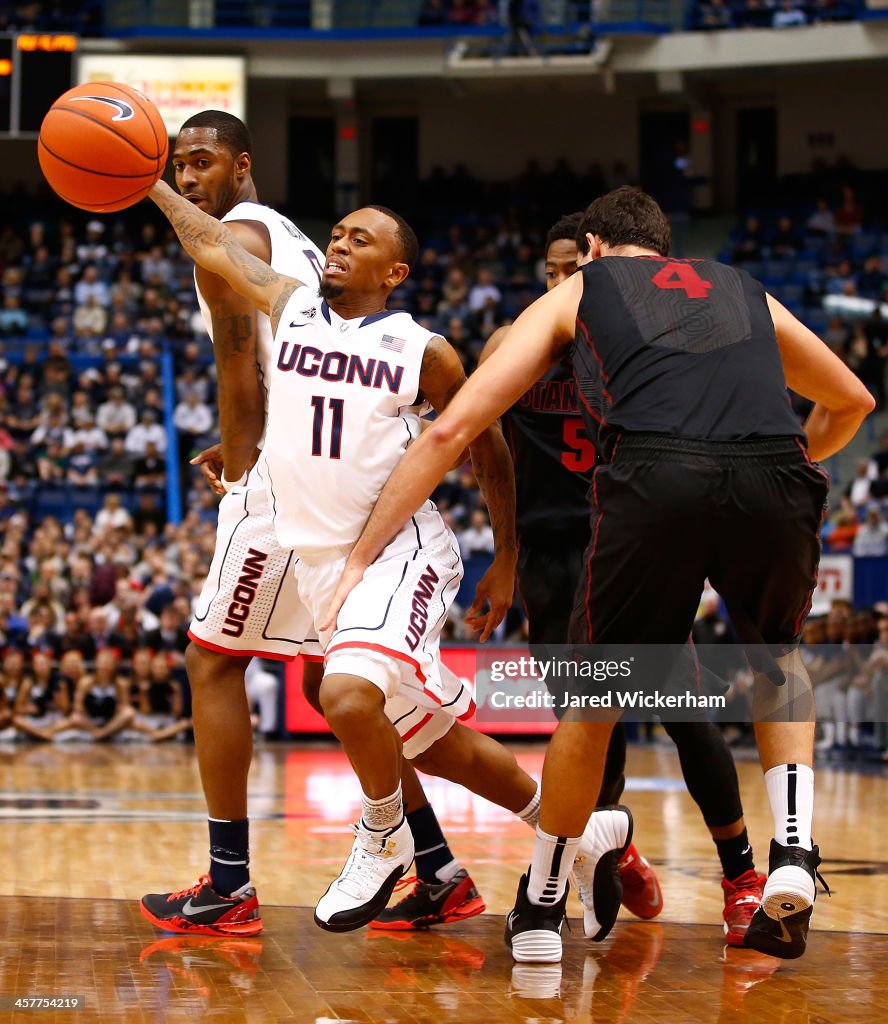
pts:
[116, 466]
[93, 249]
[750, 243]
[40, 271]
[821, 222]
[840, 527]
[788, 15]
[715, 14]
[111, 516]
[849, 215]
[866, 357]
[82, 468]
[786, 241]
[858, 490]
[92, 286]
[194, 421]
[262, 693]
[840, 279]
[145, 431]
[169, 636]
[872, 537]
[837, 335]
[116, 416]
[13, 318]
[478, 538]
[433, 13]
[871, 281]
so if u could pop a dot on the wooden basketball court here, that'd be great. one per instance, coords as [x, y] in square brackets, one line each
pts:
[87, 830]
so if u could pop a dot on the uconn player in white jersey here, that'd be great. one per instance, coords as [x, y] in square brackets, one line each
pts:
[249, 604]
[348, 385]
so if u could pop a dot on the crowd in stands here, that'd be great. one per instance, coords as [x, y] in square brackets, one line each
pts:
[829, 265]
[86, 18]
[107, 381]
[83, 17]
[727, 14]
[846, 654]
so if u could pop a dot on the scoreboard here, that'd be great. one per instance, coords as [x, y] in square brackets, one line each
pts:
[35, 69]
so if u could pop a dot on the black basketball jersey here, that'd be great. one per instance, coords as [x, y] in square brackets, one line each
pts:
[553, 455]
[685, 348]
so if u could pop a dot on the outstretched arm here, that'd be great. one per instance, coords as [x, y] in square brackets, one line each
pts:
[812, 370]
[539, 336]
[441, 378]
[212, 246]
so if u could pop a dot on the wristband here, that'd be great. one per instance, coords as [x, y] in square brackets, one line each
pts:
[229, 485]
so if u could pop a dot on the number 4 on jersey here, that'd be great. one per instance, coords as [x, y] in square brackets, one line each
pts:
[684, 276]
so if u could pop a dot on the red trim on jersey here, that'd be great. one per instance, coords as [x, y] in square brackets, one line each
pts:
[237, 653]
[592, 548]
[604, 376]
[399, 655]
[471, 711]
[415, 729]
[311, 657]
[806, 608]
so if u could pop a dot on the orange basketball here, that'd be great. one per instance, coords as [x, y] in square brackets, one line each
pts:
[102, 146]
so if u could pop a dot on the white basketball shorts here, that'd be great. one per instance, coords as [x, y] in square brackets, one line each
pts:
[249, 604]
[389, 627]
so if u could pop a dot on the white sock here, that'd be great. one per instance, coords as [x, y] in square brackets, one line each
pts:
[531, 813]
[552, 863]
[383, 814]
[448, 871]
[791, 793]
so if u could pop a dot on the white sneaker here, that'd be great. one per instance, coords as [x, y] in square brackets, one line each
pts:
[596, 872]
[377, 861]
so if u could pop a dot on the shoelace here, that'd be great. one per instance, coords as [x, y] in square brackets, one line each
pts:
[822, 881]
[192, 890]
[363, 865]
[404, 882]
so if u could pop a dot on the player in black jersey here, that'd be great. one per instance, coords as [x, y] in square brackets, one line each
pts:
[709, 475]
[554, 456]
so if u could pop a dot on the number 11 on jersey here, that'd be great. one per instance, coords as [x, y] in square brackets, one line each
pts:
[317, 428]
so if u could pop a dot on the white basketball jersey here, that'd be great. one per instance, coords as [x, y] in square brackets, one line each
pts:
[342, 411]
[292, 253]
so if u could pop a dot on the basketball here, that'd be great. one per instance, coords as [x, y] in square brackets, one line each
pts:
[102, 146]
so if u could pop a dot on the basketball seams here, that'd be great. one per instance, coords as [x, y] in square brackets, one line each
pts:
[91, 170]
[136, 97]
[107, 126]
[104, 207]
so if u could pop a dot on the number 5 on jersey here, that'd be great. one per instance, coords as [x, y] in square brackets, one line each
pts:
[317, 427]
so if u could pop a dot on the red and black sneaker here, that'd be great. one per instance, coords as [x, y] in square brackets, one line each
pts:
[641, 890]
[200, 910]
[428, 904]
[743, 897]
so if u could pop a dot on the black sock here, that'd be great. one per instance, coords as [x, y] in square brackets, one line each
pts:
[432, 851]
[735, 855]
[229, 854]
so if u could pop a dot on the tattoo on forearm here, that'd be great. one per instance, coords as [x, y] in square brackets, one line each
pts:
[233, 333]
[281, 301]
[198, 232]
[492, 463]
